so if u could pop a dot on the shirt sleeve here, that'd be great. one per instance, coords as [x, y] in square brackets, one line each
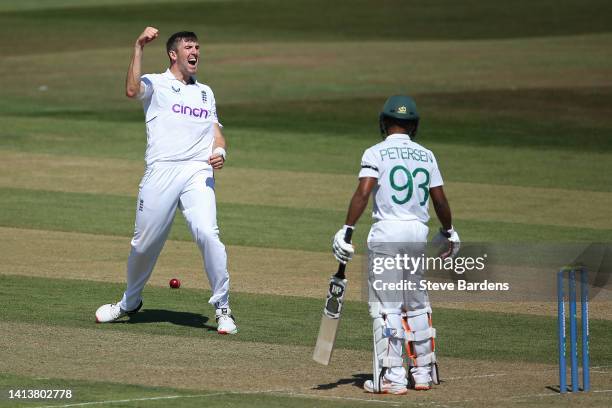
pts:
[436, 176]
[213, 108]
[147, 83]
[369, 165]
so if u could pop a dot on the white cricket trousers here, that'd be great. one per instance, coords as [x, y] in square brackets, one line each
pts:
[385, 236]
[164, 187]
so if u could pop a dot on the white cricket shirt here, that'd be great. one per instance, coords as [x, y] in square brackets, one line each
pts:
[405, 171]
[179, 118]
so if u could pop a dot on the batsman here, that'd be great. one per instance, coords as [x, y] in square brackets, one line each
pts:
[402, 176]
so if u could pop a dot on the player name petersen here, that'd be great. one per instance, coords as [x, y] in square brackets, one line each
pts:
[404, 153]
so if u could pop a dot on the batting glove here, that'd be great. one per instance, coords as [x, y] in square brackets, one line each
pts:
[342, 251]
[448, 241]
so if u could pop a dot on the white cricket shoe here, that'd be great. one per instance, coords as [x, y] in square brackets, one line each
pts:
[419, 378]
[225, 321]
[422, 386]
[387, 387]
[112, 311]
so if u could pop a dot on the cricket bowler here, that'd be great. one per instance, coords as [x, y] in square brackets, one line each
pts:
[402, 177]
[184, 148]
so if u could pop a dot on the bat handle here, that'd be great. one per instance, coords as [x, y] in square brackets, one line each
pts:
[341, 267]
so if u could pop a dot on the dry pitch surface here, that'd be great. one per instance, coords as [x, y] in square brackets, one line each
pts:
[264, 368]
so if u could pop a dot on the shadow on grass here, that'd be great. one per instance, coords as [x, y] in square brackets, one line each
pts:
[557, 388]
[179, 318]
[356, 381]
[359, 379]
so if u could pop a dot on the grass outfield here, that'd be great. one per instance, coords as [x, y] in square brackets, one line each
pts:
[515, 103]
[177, 313]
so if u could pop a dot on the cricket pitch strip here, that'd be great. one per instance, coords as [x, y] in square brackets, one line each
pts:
[278, 369]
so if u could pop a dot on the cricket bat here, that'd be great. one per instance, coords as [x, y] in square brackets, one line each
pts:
[331, 312]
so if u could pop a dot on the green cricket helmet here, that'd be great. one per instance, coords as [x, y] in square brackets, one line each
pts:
[403, 109]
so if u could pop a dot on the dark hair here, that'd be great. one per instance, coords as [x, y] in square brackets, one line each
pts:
[177, 37]
[410, 126]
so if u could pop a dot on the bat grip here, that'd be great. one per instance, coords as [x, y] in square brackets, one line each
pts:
[341, 267]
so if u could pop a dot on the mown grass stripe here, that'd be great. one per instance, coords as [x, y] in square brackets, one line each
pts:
[275, 20]
[70, 255]
[326, 152]
[71, 303]
[103, 258]
[471, 201]
[36, 5]
[247, 225]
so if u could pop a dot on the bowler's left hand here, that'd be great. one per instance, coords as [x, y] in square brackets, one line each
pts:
[216, 161]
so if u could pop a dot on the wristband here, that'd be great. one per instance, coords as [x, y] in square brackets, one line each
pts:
[447, 233]
[221, 152]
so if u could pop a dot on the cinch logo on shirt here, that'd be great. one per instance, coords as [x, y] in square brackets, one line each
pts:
[187, 110]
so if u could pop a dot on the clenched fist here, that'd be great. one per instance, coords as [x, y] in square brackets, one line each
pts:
[148, 35]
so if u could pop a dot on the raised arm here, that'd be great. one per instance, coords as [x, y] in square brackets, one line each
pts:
[133, 86]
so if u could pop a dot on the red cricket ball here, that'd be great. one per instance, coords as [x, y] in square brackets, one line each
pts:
[175, 283]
